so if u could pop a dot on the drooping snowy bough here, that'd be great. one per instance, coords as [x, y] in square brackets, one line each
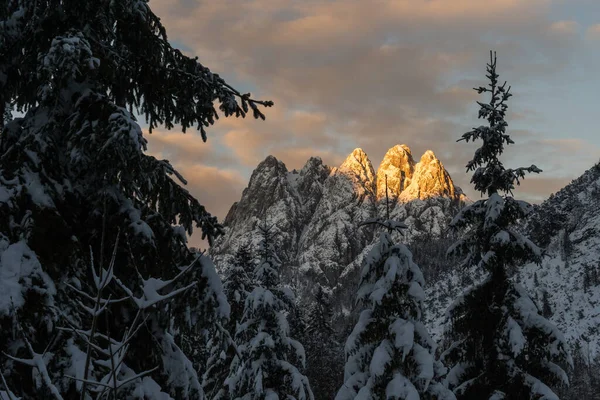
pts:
[390, 354]
[500, 347]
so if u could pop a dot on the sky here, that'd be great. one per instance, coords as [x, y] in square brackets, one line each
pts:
[373, 74]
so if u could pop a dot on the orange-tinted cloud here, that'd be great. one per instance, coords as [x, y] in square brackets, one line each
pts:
[370, 74]
[593, 32]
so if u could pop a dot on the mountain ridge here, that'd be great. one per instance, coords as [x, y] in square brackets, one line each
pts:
[316, 211]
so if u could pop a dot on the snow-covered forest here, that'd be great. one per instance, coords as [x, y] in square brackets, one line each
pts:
[340, 283]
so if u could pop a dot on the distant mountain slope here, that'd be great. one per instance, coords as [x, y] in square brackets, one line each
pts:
[568, 226]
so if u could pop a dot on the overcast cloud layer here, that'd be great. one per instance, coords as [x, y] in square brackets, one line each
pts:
[372, 74]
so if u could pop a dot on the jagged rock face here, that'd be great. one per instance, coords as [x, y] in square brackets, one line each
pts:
[332, 238]
[310, 183]
[398, 166]
[316, 212]
[407, 180]
[282, 198]
[358, 168]
[430, 179]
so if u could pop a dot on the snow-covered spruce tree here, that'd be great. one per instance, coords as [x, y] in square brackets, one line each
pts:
[237, 285]
[500, 345]
[390, 354]
[324, 361]
[267, 366]
[73, 172]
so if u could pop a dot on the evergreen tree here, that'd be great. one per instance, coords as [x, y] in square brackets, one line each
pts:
[501, 347]
[390, 354]
[74, 173]
[238, 283]
[546, 308]
[583, 382]
[320, 314]
[323, 353]
[297, 318]
[594, 276]
[587, 278]
[237, 286]
[266, 366]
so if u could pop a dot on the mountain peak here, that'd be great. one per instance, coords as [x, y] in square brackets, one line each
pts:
[428, 156]
[357, 155]
[357, 160]
[358, 167]
[430, 179]
[397, 166]
[269, 160]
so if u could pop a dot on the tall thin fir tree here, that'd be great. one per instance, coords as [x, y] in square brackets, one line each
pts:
[323, 352]
[500, 345]
[270, 362]
[390, 354]
[237, 285]
[74, 172]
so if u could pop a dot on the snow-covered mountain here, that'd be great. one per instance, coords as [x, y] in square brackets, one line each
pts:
[316, 211]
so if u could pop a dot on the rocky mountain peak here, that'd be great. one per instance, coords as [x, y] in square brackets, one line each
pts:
[398, 165]
[430, 179]
[313, 162]
[359, 169]
[357, 161]
[428, 157]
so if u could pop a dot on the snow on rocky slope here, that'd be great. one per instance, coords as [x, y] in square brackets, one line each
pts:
[316, 212]
[567, 225]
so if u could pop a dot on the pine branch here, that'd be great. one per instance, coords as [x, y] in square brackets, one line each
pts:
[8, 392]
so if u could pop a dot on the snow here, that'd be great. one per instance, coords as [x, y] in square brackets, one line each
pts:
[495, 207]
[36, 190]
[540, 389]
[77, 364]
[5, 194]
[148, 389]
[404, 335]
[424, 360]
[401, 388]
[8, 396]
[382, 357]
[20, 271]
[137, 224]
[179, 369]
[215, 287]
[516, 340]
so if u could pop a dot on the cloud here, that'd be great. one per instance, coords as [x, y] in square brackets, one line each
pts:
[536, 189]
[593, 32]
[564, 27]
[370, 74]
[181, 148]
[217, 189]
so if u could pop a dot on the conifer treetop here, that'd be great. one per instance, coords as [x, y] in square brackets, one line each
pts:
[266, 272]
[493, 242]
[490, 176]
